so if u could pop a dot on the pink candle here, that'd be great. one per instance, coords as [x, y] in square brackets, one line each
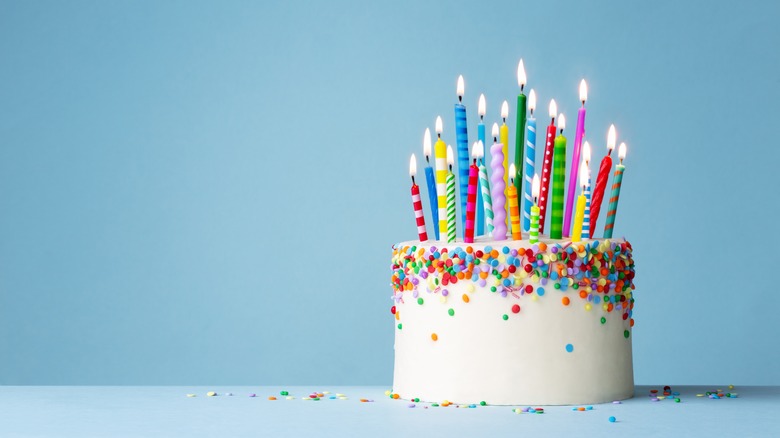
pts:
[417, 202]
[497, 187]
[471, 202]
[575, 159]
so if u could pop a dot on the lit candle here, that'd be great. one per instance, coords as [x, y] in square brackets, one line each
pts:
[484, 186]
[481, 107]
[505, 141]
[514, 210]
[586, 218]
[617, 181]
[429, 179]
[559, 181]
[471, 200]
[462, 138]
[530, 161]
[578, 133]
[579, 216]
[547, 166]
[440, 151]
[520, 128]
[417, 202]
[498, 187]
[601, 180]
[533, 232]
[450, 196]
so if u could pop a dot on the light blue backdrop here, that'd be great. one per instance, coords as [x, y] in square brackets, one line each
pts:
[207, 192]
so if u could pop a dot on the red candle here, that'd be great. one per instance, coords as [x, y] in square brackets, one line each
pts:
[601, 181]
[547, 166]
[471, 202]
[417, 202]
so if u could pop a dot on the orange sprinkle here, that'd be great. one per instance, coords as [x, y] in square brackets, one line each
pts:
[460, 275]
[632, 322]
[363, 400]
[580, 409]
[271, 398]
[583, 294]
[434, 336]
[469, 250]
[494, 253]
[565, 301]
[542, 246]
[465, 298]
[395, 396]
[397, 315]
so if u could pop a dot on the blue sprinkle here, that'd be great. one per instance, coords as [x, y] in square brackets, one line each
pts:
[570, 348]
[540, 291]
[505, 250]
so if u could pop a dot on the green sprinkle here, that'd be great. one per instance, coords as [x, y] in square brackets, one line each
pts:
[557, 285]
[435, 405]
[451, 312]
[603, 320]
[284, 393]
[416, 400]
[626, 334]
[420, 301]
[505, 317]
[400, 326]
[492, 288]
[482, 403]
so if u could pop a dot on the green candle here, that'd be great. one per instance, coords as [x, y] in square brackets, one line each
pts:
[559, 180]
[520, 129]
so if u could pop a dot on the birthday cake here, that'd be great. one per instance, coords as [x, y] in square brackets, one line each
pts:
[505, 314]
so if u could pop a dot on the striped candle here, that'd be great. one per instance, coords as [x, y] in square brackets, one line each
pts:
[514, 209]
[578, 133]
[497, 190]
[440, 151]
[533, 231]
[481, 107]
[520, 128]
[547, 166]
[586, 218]
[579, 216]
[462, 139]
[530, 160]
[504, 137]
[431, 182]
[471, 204]
[417, 202]
[450, 197]
[559, 180]
[484, 186]
[617, 181]
[601, 181]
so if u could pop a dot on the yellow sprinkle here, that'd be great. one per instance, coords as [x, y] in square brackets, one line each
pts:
[342, 395]
[588, 306]
[211, 394]
[289, 397]
[731, 386]
[699, 395]
[442, 299]
[470, 287]
[388, 392]
[190, 395]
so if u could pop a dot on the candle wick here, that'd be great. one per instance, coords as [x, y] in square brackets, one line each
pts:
[413, 180]
[561, 131]
[460, 98]
[481, 117]
[521, 88]
[427, 159]
[438, 134]
[532, 112]
[583, 103]
[552, 121]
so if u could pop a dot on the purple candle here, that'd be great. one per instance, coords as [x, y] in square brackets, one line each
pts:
[575, 160]
[497, 187]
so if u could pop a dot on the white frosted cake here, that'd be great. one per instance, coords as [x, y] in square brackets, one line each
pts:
[513, 323]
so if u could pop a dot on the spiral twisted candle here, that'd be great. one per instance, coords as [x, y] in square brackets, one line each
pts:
[484, 185]
[497, 189]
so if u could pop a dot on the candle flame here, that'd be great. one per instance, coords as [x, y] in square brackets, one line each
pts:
[461, 86]
[611, 138]
[450, 156]
[512, 172]
[439, 128]
[481, 108]
[584, 174]
[427, 143]
[561, 122]
[479, 150]
[583, 91]
[504, 110]
[622, 151]
[494, 131]
[532, 100]
[413, 166]
[535, 187]
[553, 108]
[521, 78]
[586, 152]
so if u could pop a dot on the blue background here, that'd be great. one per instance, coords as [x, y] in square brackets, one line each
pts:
[207, 193]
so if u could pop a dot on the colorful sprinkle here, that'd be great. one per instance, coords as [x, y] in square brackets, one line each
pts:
[569, 349]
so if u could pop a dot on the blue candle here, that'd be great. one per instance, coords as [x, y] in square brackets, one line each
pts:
[432, 195]
[462, 138]
[530, 161]
[481, 134]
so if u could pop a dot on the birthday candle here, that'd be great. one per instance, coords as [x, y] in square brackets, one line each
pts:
[417, 202]
[575, 158]
[481, 107]
[514, 210]
[601, 181]
[471, 201]
[462, 138]
[547, 166]
[533, 232]
[520, 128]
[429, 179]
[440, 150]
[530, 161]
[505, 141]
[498, 188]
[579, 216]
[617, 181]
[484, 186]
[586, 218]
[559, 177]
[450, 196]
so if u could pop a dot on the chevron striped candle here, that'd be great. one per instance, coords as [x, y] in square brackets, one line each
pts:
[601, 181]
[547, 166]
[440, 151]
[579, 215]
[471, 203]
[559, 180]
[431, 182]
[497, 190]
[481, 107]
[514, 209]
[530, 159]
[484, 187]
[450, 190]
[617, 181]
[586, 217]
[533, 231]
[417, 202]
[462, 138]
[578, 133]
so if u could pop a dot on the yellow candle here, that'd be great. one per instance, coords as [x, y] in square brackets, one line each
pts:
[440, 152]
[504, 136]
[579, 215]
[514, 209]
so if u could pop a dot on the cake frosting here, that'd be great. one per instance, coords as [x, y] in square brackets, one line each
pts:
[513, 323]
